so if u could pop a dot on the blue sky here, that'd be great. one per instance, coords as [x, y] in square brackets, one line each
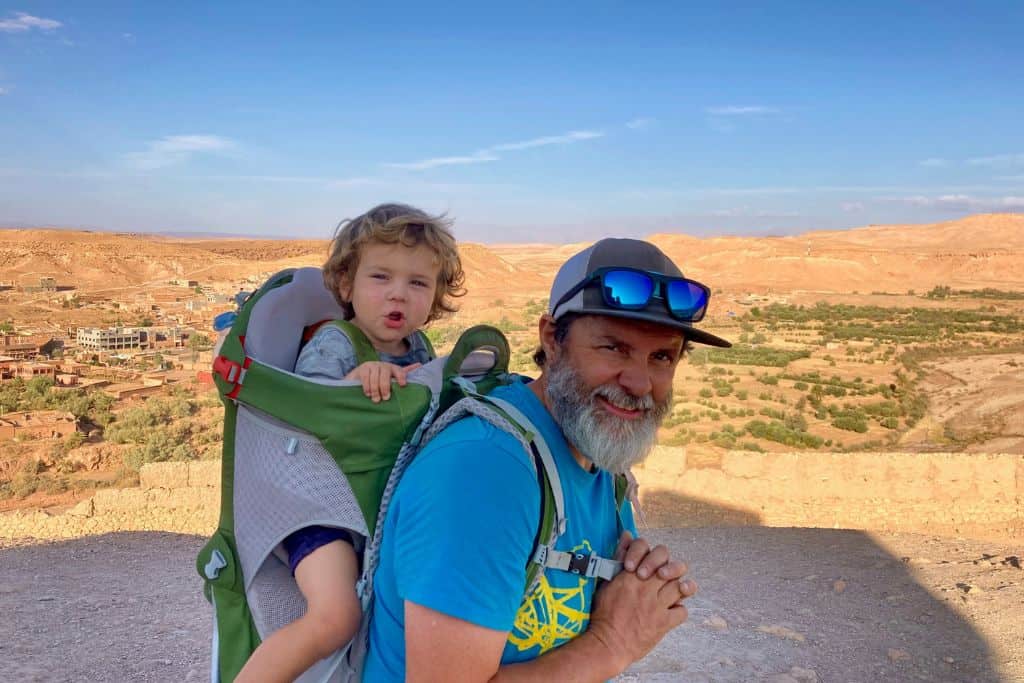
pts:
[542, 122]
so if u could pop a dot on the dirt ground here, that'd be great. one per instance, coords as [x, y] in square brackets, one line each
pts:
[977, 401]
[778, 605]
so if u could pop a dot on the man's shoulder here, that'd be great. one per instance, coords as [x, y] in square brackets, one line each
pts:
[471, 443]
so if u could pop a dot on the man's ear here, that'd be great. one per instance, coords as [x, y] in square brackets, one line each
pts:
[546, 333]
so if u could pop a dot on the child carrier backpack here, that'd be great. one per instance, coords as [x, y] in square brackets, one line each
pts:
[300, 452]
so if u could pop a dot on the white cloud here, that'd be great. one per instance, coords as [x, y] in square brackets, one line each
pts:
[488, 154]
[176, 149]
[852, 207]
[962, 202]
[4, 91]
[734, 110]
[22, 22]
[639, 123]
[998, 160]
[934, 163]
[423, 164]
[571, 136]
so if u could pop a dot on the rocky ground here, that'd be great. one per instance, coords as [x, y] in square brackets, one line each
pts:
[779, 605]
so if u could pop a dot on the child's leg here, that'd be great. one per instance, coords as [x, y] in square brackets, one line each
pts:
[327, 578]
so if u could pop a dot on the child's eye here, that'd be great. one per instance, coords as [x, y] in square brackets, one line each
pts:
[421, 283]
[379, 276]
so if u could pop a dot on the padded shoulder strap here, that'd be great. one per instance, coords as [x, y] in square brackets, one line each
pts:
[509, 418]
[426, 343]
[365, 353]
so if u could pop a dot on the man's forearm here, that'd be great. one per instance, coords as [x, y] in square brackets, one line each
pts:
[582, 660]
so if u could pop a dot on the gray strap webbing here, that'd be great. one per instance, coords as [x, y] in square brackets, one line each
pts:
[584, 564]
[546, 459]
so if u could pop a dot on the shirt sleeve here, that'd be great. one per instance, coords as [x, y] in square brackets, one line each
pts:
[465, 528]
[328, 355]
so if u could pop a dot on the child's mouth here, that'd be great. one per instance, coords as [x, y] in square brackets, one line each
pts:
[394, 320]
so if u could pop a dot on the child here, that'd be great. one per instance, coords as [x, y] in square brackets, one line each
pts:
[392, 270]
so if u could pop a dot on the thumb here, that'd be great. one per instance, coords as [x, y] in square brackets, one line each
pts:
[401, 373]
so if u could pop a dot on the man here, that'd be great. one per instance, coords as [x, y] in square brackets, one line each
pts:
[462, 526]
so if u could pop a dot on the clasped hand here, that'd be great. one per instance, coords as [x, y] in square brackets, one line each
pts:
[634, 611]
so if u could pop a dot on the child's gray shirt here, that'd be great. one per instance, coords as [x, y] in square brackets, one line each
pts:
[330, 354]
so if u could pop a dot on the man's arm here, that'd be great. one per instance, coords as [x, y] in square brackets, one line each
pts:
[631, 615]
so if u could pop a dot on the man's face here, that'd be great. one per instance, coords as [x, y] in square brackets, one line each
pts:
[609, 385]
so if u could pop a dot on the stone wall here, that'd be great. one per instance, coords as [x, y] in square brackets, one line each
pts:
[948, 494]
[171, 496]
[974, 495]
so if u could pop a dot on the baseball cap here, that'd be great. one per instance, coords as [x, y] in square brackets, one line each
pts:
[621, 253]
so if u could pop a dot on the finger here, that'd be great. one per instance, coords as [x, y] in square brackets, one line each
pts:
[674, 592]
[653, 561]
[674, 569]
[375, 383]
[625, 538]
[678, 614]
[384, 380]
[637, 550]
[367, 383]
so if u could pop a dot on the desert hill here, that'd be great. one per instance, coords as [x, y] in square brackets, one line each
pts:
[974, 252]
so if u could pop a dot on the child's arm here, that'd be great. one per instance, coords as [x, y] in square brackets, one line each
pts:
[327, 578]
[376, 377]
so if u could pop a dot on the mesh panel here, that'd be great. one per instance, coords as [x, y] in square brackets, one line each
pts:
[275, 494]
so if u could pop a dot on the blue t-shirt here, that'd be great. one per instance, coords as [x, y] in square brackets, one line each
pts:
[460, 530]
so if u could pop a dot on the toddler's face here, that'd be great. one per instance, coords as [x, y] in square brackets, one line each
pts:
[392, 292]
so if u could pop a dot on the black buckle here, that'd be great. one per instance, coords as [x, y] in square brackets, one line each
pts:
[579, 563]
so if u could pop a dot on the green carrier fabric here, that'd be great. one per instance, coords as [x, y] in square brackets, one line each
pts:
[299, 452]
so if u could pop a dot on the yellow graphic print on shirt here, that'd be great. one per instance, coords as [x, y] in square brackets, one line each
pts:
[552, 615]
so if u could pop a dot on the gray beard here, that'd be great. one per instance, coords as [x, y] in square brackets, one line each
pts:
[612, 443]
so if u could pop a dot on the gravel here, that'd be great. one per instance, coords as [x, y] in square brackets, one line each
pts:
[778, 605]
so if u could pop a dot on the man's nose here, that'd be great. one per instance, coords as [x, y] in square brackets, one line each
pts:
[636, 379]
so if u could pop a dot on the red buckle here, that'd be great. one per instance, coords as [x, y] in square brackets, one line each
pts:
[231, 372]
[228, 369]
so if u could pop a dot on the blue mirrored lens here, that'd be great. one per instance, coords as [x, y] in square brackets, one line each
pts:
[627, 288]
[686, 300]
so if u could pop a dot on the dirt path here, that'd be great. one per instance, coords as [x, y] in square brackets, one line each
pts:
[778, 605]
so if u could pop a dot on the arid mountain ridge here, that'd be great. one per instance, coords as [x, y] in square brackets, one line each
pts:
[970, 253]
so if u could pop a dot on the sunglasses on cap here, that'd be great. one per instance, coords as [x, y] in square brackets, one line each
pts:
[630, 289]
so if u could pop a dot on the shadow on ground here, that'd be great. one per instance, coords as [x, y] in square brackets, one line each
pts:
[128, 606]
[817, 604]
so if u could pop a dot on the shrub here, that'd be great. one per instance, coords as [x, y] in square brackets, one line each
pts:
[780, 433]
[850, 423]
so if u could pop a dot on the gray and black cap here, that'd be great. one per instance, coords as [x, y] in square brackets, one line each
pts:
[622, 253]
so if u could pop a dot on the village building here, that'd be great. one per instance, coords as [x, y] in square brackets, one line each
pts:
[28, 371]
[24, 345]
[108, 339]
[38, 424]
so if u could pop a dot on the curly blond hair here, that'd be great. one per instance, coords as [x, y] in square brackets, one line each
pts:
[396, 224]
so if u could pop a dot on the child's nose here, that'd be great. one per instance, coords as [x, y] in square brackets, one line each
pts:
[398, 292]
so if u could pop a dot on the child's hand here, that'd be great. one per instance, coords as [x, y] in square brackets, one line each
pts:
[376, 377]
